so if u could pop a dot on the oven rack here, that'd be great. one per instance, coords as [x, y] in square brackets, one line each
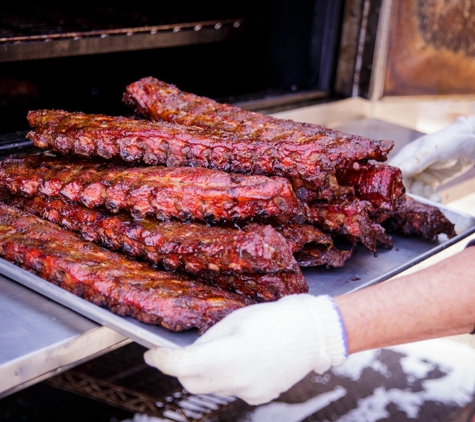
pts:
[49, 43]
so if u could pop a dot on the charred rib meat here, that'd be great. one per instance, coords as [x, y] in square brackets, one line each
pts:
[183, 193]
[315, 256]
[380, 184]
[299, 235]
[309, 161]
[257, 263]
[158, 100]
[351, 219]
[307, 154]
[109, 279]
[412, 217]
[260, 287]
[178, 246]
[312, 247]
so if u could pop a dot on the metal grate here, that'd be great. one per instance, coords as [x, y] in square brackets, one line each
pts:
[15, 143]
[122, 379]
[35, 31]
[178, 405]
[71, 43]
[29, 19]
[32, 31]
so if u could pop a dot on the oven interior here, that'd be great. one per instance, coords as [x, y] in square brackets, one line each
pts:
[280, 53]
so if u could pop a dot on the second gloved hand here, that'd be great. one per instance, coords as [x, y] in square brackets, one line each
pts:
[437, 158]
[259, 351]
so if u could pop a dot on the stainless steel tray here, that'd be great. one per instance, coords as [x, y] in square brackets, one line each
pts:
[361, 270]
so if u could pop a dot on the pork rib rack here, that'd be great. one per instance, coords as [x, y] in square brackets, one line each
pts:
[257, 263]
[309, 161]
[182, 193]
[307, 154]
[108, 279]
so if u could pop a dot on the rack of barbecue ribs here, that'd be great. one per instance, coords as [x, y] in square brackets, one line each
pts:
[182, 193]
[308, 154]
[413, 218]
[109, 279]
[255, 262]
[360, 190]
[309, 162]
[346, 157]
[236, 200]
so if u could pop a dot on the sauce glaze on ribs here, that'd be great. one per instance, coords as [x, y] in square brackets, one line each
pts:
[308, 154]
[183, 193]
[108, 279]
[315, 256]
[381, 184]
[256, 262]
[310, 161]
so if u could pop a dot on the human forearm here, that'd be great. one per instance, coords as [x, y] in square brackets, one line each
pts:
[435, 302]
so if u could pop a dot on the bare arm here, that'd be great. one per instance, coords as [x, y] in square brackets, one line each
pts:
[435, 302]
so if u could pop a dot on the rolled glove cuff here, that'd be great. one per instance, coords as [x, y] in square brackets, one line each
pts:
[332, 330]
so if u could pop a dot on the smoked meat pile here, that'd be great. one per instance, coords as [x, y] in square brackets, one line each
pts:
[109, 279]
[224, 205]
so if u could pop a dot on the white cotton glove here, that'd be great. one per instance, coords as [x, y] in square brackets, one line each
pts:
[259, 351]
[437, 158]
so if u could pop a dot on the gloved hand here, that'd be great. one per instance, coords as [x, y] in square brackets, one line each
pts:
[259, 351]
[437, 158]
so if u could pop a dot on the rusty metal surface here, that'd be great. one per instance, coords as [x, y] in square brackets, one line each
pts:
[431, 48]
[358, 39]
[348, 47]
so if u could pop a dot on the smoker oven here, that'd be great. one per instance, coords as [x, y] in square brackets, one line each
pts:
[80, 58]
[332, 62]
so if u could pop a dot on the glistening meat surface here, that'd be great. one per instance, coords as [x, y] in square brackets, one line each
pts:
[315, 255]
[310, 162]
[380, 184]
[308, 154]
[256, 262]
[182, 193]
[312, 247]
[191, 246]
[109, 279]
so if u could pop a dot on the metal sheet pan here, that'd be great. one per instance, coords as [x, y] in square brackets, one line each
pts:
[39, 337]
[361, 270]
